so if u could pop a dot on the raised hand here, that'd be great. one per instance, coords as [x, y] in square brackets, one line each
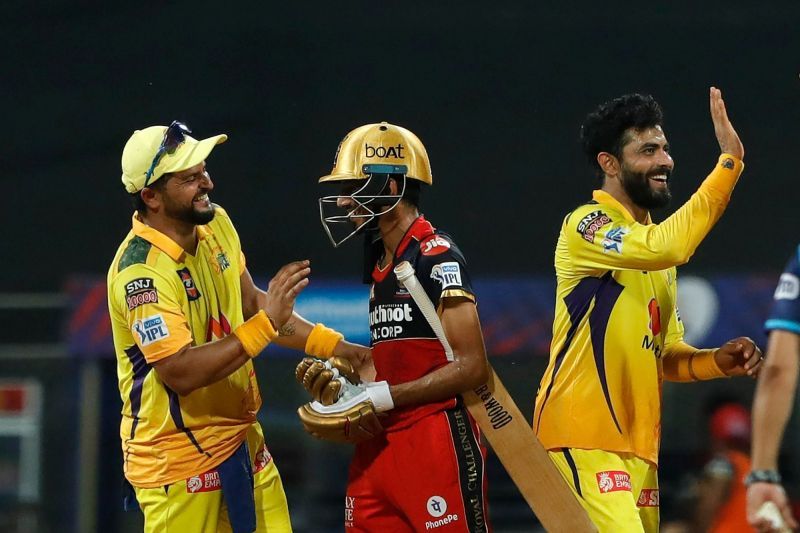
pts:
[760, 493]
[727, 137]
[739, 357]
[283, 289]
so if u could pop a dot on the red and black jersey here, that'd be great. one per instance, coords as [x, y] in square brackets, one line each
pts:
[404, 347]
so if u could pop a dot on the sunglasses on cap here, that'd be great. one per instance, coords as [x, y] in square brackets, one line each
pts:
[173, 137]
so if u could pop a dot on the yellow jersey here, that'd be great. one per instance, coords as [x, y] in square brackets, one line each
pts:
[162, 298]
[616, 319]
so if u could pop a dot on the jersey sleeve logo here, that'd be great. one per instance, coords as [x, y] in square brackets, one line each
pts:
[788, 287]
[151, 329]
[613, 240]
[140, 291]
[648, 498]
[434, 246]
[447, 274]
[592, 222]
[205, 482]
[613, 481]
[188, 283]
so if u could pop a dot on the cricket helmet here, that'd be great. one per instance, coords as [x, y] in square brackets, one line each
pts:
[367, 158]
[380, 149]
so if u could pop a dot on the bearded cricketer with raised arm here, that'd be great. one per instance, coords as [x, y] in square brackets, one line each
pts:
[617, 333]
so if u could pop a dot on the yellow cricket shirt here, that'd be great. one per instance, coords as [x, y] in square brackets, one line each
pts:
[616, 319]
[162, 298]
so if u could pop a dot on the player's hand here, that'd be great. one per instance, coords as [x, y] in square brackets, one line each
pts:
[739, 357]
[290, 280]
[727, 137]
[359, 356]
[757, 495]
[324, 380]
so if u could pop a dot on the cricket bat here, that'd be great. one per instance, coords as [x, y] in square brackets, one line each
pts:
[510, 436]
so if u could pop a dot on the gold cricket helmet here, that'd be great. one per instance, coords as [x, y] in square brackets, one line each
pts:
[380, 149]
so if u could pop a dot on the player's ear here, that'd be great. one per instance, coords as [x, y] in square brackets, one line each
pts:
[151, 198]
[609, 164]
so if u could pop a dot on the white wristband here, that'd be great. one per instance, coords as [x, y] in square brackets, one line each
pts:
[380, 396]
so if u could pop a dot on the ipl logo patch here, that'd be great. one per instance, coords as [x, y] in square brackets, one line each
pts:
[447, 274]
[151, 329]
[613, 240]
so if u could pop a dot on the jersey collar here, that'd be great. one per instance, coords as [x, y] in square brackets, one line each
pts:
[418, 230]
[602, 197]
[161, 241]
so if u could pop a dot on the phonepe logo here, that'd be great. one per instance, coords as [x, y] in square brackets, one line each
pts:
[437, 507]
[151, 329]
[447, 274]
[382, 314]
[384, 152]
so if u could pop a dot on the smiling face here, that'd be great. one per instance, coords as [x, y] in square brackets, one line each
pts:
[646, 166]
[185, 195]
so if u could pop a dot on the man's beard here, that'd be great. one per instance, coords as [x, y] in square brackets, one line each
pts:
[189, 214]
[637, 186]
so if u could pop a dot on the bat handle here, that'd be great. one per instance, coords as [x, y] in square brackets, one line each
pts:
[405, 275]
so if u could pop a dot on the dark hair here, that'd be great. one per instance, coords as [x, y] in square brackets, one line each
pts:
[603, 129]
[136, 197]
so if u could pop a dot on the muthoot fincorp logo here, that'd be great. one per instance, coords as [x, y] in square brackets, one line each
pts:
[390, 313]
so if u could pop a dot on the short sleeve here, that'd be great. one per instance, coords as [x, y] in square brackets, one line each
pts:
[785, 311]
[150, 304]
[443, 269]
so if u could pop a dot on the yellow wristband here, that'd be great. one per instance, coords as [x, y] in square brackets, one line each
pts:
[703, 366]
[322, 340]
[256, 333]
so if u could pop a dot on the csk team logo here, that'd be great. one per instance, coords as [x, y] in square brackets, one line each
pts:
[613, 481]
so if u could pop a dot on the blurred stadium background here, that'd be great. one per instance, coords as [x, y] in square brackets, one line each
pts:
[496, 90]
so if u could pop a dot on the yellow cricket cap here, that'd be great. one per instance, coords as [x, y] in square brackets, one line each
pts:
[142, 147]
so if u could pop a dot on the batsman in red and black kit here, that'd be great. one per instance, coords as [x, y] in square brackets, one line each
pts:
[418, 463]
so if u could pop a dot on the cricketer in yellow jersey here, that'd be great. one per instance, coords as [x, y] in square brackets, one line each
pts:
[617, 333]
[187, 319]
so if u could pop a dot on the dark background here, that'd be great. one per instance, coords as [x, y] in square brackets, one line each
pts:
[496, 91]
